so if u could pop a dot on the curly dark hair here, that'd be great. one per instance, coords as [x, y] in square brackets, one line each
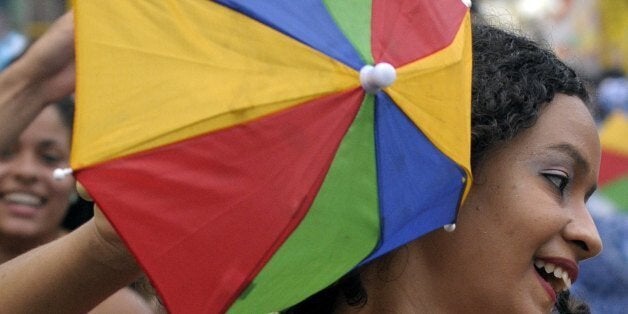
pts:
[65, 107]
[514, 78]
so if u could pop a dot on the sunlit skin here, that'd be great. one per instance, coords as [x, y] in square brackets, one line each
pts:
[32, 203]
[527, 202]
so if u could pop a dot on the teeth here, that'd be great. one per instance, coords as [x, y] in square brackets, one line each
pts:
[557, 271]
[23, 199]
[549, 268]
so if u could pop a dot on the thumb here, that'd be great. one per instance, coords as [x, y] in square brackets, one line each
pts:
[82, 192]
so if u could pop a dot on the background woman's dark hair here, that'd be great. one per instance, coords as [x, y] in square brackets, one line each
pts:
[569, 305]
[80, 211]
[514, 78]
[348, 289]
[65, 107]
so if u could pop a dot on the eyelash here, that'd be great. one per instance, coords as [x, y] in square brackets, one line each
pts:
[6, 154]
[47, 158]
[562, 178]
[51, 159]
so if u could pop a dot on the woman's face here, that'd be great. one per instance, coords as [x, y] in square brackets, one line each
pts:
[32, 203]
[526, 207]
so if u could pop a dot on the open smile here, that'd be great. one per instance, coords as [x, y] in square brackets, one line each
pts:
[556, 274]
[22, 203]
[22, 198]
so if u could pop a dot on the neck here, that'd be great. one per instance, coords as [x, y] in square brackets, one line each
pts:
[404, 281]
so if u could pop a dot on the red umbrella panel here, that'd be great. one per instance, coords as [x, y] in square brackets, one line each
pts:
[251, 153]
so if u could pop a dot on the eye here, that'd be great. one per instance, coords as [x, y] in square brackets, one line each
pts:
[558, 178]
[6, 154]
[51, 157]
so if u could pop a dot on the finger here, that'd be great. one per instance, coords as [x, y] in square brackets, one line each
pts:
[82, 192]
[97, 211]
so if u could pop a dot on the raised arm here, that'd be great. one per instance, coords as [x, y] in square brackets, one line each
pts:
[80, 270]
[44, 74]
[70, 275]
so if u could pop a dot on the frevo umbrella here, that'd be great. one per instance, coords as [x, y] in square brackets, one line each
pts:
[250, 153]
[613, 179]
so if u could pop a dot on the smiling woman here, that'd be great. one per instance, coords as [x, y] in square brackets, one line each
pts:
[524, 226]
[33, 203]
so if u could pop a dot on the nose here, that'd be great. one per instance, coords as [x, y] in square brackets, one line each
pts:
[582, 235]
[24, 168]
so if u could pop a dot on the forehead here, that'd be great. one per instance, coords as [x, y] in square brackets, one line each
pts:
[564, 126]
[48, 125]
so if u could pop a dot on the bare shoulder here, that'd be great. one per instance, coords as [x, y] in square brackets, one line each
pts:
[125, 301]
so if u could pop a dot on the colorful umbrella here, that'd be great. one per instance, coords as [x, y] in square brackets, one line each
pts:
[614, 168]
[250, 153]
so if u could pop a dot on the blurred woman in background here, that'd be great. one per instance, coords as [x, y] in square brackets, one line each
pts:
[33, 204]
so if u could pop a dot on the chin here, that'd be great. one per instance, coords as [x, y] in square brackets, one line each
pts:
[22, 229]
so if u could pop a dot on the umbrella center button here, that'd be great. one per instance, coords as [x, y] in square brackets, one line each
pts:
[374, 78]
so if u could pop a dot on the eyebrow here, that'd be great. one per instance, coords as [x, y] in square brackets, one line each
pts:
[574, 154]
[48, 143]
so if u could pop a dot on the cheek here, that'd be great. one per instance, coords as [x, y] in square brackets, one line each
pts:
[59, 196]
[499, 214]
[525, 215]
[487, 206]
[62, 187]
[3, 170]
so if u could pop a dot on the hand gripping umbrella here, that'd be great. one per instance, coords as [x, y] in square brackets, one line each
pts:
[250, 153]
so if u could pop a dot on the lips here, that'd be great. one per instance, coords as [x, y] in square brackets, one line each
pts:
[22, 204]
[558, 273]
[22, 198]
